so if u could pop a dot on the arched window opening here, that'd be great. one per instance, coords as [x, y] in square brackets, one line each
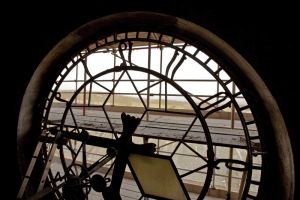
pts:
[190, 126]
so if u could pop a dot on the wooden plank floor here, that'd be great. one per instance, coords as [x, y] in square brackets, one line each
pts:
[158, 126]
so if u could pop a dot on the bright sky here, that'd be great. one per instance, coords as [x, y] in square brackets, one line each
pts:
[189, 69]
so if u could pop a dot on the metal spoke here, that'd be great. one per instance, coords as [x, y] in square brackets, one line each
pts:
[137, 92]
[150, 86]
[193, 150]
[194, 170]
[74, 120]
[182, 139]
[76, 155]
[114, 87]
[110, 124]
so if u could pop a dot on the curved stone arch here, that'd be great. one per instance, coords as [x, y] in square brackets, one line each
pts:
[276, 135]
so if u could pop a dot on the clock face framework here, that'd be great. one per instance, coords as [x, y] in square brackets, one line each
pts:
[176, 86]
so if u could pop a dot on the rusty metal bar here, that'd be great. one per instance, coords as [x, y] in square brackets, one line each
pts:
[148, 80]
[214, 171]
[76, 80]
[84, 90]
[243, 182]
[160, 71]
[232, 125]
[114, 79]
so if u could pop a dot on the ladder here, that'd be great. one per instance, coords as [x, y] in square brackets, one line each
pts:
[53, 141]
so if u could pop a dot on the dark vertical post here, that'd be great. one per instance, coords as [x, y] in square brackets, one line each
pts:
[130, 123]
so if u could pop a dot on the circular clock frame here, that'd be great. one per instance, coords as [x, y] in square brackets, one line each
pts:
[263, 106]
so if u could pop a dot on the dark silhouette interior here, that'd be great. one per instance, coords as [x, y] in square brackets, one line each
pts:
[262, 34]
